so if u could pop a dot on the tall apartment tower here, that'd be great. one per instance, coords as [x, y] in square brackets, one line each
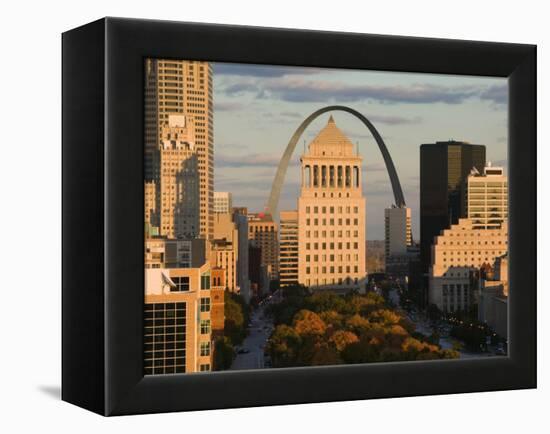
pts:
[288, 248]
[175, 174]
[486, 201]
[331, 213]
[263, 233]
[182, 87]
[223, 202]
[444, 167]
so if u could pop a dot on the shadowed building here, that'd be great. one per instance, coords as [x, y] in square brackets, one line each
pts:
[176, 179]
[331, 213]
[444, 168]
[263, 231]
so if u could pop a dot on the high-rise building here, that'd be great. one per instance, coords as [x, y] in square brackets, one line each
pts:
[176, 179]
[398, 234]
[181, 87]
[486, 201]
[177, 320]
[444, 167]
[331, 213]
[288, 248]
[458, 253]
[223, 202]
[243, 280]
[227, 250]
[263, 231]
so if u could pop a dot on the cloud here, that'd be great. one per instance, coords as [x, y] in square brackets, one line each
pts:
[244, 70]
[498, 94]
[223, 106]
[297, 89]
[290, 114]
[249, 160]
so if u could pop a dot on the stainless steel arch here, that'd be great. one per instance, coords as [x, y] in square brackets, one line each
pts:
[273, 202]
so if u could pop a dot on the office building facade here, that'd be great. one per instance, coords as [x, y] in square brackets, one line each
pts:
[223, 202]
[288, 248]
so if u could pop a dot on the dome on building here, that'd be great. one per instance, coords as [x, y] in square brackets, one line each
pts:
[331, 141]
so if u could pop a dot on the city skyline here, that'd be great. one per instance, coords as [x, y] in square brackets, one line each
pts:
[258, 108]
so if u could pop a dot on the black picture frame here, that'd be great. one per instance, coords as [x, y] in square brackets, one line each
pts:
[103, 279]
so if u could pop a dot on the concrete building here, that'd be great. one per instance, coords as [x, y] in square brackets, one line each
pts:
[177, 320]
[288, 248]
[444, 167]
[486, 202]
[217, 301]
[231, 233]
[458, 253]
[176, 253]
[182, 87]
[263, 230]
[176, 176]
[397, 239]
[493, 298]
[223, 202]
[224, 254]
[331, 213]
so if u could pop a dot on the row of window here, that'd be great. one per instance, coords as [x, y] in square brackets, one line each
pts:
[331, 209]
[331, 222]
[332, 234]
[340, 246]
[331, 258]
[332, 269]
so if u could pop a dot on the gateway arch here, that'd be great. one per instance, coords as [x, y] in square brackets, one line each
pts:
[277, 185]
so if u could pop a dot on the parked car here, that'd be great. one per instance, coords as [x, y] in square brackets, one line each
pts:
[243, 351]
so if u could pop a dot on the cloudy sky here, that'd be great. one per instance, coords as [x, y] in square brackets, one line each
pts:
[258, 108]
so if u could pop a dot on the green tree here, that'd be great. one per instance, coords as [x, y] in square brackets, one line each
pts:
[223, 354]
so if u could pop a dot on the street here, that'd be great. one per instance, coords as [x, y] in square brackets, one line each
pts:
[259, 331]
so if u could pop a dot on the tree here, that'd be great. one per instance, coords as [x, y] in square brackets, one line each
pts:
[235, 324]
[309, 323]
[223, 354]
[342, 338]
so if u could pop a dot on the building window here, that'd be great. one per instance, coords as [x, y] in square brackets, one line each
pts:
[205, 367]
[181, 282]
[205, 348]
[205, 326]
[205, 304]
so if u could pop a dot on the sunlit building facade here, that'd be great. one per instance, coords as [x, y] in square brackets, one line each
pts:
[288, 248]
[331, 213]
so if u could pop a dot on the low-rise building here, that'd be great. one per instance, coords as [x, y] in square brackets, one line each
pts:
[493, 298]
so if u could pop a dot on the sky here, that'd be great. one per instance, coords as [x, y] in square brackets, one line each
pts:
[257, 108]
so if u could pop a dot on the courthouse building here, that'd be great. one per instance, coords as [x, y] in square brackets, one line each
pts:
[331, 213]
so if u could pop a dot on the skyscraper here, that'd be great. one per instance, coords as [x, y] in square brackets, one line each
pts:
[288, 248]
[444, 167]
[182, 87]
[487, 197]
[331, 213]
[398, 240]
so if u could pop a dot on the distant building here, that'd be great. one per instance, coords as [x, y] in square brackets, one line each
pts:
[262, 229]
[444, 167]
[398, 240]
[486, 201]
[177, 320]
[288, 248]
[223, 202]
[331, 213]
[259, 280]
[217, 301]
[493, 298]
[151, 216]
[224, 254]
[243, 280]
[175, 253]
[458, 253]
